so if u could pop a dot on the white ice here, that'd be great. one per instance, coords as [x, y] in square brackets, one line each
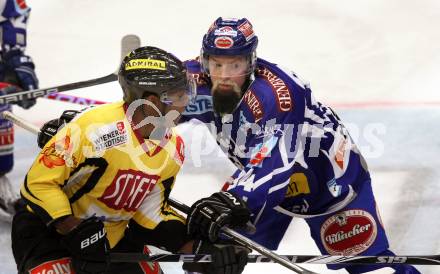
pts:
[373, 52]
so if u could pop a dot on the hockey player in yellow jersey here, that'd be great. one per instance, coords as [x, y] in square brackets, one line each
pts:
[101, 183]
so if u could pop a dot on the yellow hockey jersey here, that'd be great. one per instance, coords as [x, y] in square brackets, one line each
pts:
[98, 165]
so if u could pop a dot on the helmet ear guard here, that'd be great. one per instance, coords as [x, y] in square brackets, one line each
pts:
[181, 97]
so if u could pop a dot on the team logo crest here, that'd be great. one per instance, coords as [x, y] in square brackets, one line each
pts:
[348, 233]
[59, 153]
[223, 42]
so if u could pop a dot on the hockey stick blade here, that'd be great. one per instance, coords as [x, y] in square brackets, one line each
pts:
[128, 43]
[301, 259]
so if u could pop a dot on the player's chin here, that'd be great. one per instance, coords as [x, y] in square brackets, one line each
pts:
[223, 88]
[225, 101]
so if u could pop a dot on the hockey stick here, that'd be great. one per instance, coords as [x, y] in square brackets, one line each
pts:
[73, 99]
[303, 259]
[300, 259]
[270, 255]
[20, 122]
[247, 242]
[128, 43]
[184, 208]
[7, 88]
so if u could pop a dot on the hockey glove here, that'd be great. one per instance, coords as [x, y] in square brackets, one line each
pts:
[88, 246]
[208, 215]
[226, 258]
[50, 128]
[16, 61]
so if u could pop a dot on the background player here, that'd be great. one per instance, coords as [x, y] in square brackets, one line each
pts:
[16, 74]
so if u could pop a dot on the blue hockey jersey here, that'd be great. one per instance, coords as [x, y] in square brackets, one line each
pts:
[292, 152]
[295, 158]
[13, 20]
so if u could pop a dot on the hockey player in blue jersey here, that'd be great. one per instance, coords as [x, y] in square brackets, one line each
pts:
[294, 156]
[16, 74]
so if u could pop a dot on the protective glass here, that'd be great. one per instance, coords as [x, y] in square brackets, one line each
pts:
[181, 97]
[228, 66]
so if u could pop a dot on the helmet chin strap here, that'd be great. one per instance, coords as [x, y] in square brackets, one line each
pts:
[247, 83]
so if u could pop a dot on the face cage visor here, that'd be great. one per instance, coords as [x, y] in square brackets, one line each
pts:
[181, 96]
[227, 66]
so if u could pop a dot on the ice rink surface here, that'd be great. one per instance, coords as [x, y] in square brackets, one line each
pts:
[376, 62]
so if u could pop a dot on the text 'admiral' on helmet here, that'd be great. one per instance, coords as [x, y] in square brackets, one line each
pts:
[150, 69]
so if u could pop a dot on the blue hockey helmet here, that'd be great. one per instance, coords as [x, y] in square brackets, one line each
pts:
[230, 37]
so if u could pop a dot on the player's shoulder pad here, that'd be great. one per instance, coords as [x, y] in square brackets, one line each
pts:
[194, 69]
[278, 90]
[192, 65]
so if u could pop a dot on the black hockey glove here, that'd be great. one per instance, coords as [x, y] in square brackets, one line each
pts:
[88, 246]
[208, 215]
[50, 128]
[227, 258]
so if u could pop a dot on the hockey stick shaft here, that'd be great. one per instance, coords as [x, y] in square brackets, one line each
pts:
[30, 94]
[247, 242]
[128, 43]
[303, 259]
[20, 122]
[63, 97]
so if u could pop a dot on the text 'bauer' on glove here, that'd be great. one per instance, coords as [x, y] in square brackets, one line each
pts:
[88, 246]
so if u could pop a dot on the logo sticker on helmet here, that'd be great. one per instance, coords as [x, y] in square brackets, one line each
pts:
[145, 64]
[246, 29]
[227, 31]
[223, 42]
[348, 233]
